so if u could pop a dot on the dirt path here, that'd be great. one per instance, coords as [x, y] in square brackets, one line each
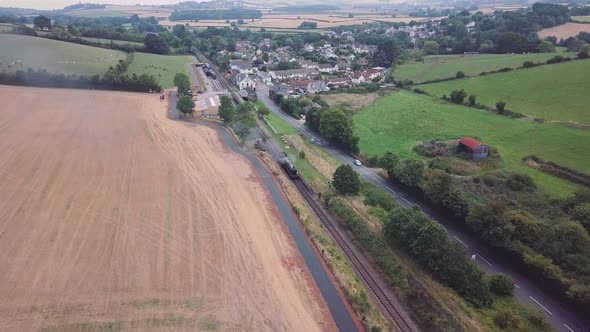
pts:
[119, 218]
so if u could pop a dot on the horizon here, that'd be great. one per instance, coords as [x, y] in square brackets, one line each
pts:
[60, 4]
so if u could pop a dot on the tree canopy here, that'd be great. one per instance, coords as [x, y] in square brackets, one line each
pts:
[346, 180]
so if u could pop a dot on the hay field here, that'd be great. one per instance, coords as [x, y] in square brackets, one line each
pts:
[581, 18]
[114, 217]
[565, 30]
[284, 21]
[55, 56]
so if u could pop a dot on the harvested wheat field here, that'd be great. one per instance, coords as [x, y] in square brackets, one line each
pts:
[565, 30]
[115, 218]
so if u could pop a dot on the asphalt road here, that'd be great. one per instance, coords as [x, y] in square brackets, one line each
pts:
[335, 302]
[528, 292]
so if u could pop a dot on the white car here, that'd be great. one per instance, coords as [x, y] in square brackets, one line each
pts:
[357, 162]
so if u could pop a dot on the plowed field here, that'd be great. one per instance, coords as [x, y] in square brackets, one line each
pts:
[114, 217]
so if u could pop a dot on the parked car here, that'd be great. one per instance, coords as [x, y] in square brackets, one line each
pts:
[357, 162]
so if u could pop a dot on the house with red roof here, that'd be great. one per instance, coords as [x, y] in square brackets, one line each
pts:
[473, 148]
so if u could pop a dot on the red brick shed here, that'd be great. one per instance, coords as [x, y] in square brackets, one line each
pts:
[473, 147]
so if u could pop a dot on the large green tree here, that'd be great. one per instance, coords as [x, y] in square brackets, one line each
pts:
[346, 180]
[156, 44]
[42, 22]
[337, 126]
[186, 105]
[182, 82]
[410, 172]
[226, 110]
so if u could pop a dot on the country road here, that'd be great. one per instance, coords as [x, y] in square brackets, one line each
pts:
[557, 313]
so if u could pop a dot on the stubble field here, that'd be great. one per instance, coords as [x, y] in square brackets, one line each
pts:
[114, 217]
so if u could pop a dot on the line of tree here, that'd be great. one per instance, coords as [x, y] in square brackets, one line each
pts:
[334, 124]
[555, 253]
[112, 80]
[215, 14]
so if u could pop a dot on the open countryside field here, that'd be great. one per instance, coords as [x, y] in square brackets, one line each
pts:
[403, 119]
[293, 21]
[108, 41]
[55, 56]
[581, 18]
[114, 217]
[565, 30]
[121, 11]
[444, 66]
[162, 67]
[552, 92]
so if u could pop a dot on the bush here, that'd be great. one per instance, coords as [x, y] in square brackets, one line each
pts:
[472, 100]
[505, 319]
[346, 180]
[460, 75]
[457, 96]
[378, 198]
[528, 64]
[557, 59]
[521, 182]
[502, 285]
[537, 319]
[500, 107]
[410, 172]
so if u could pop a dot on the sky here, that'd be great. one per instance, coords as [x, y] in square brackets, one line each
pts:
[59, 4]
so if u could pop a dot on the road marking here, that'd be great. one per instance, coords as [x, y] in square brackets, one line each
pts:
[405, 200]
[424, 213]
[456, 238]
[540, 305]
[390, 189]
[569, 328]
[485, 260]
[517, 286]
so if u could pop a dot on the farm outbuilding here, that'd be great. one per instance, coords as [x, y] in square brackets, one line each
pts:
[473, 148]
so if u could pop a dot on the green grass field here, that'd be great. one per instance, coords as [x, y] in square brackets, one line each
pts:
[55, 56]
[443, 66]
[581, 18]
[162, 67]
[400, 120]
[553, 92]
[108, 41]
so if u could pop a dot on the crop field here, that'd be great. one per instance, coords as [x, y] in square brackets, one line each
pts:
[581, 18]
[55, 56]
[95, 13]
[108, 41]
[564, 31]
[284, 21]
[552, 92]
[444, 66]
[122, 11]
[162, 67]
[114, 217]
[403, 119]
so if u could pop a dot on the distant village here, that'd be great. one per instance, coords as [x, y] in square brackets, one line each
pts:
[339, 67]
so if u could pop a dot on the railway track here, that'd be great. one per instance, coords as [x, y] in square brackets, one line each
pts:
[361, 265]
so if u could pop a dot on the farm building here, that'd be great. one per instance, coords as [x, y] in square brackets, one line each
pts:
[473, 147]
[208, 106]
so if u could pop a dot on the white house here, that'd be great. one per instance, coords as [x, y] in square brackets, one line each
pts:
[358, 78]
[243, 81]
[265, 77]
[241, 66]
[327, 68]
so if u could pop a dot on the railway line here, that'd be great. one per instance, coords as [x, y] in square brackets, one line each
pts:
[363, 267]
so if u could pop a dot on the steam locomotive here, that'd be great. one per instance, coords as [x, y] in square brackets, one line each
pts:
[288, 166]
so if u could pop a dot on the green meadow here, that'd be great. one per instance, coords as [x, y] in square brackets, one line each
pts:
[552, 92]
[402, 119]
[444, 66]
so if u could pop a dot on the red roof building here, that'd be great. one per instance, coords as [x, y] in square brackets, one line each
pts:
[474, 148]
